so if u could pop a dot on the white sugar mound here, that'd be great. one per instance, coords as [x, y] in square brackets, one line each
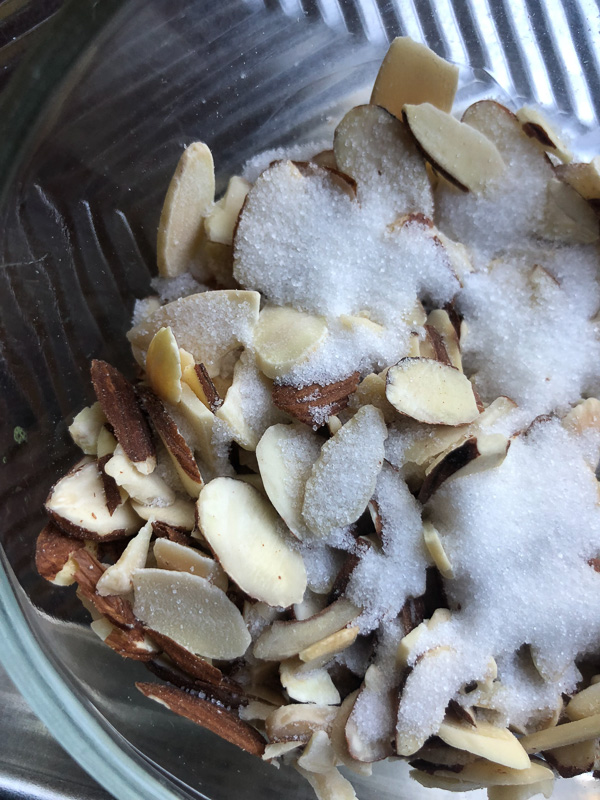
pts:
[303, 241]
[519, 538]
[296, 152]
[529, 337]
[384, 580]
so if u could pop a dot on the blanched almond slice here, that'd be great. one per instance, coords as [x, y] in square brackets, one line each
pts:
[286, 454]
[375, 149]
[129, 644]
[371, 392]
[370, 726]
[338, 738]
[562, 735]
[585, 703]
[521, 792]
[439, 782]
[457, 151]
[77, 505]
[150, 490]
[434, 546]
[117, 578]
[180, 514]
[53, 555]
[220, 222]
[568, 217]
[163, 366]
[318, 755]
[86, 427]
[329, 785]
[584, 178]
[285, 639]
[429, 391]
[189, 197]
[488, 741]
[336, 496]
[247, 537]
[329, 646]
[119, 403]
[210, 716]
[277, 749]
[486, 773]
[409, 643]
[583, 417]
[191, 611]
[197, 378]
[106, 444]
[202, 421]
[412, 73]
[439, 320]
[256, 710]
[174, 556]
[299, 721]
[315, 686]
[538, 128]
[477, 454]
[209, 325]
[284, 338]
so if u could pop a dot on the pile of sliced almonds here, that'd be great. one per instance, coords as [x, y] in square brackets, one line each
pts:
[189, 523]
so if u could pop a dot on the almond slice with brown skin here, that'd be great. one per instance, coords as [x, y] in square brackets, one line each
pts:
[495, 744]
[298, 721]
[214, 718]
[86, 426]
[574, 759]
[193, 665]
[54, 555]
[431, 392]
[486, 773]
[179, 450]
[584, 178]
[284, 338]
[163, 366]
[197, 378]
[77, 505]
[440, 321]
[412, 73]
[315, 403]
[430, 781]
[538, 128]
[191, 611]
[116, 580]
[248, 538]
[117, 609]
[285, 639]
[182, 558]
[189, 198]
[329, 785]
[114, 495]
[457, 151]
[131, 643]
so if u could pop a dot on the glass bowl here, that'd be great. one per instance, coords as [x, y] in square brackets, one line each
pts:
[93, 125]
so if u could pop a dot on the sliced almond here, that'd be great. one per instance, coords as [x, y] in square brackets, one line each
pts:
[132, 643]
[285, 639]
[189, 198]
[460, 153]
[150, 490]
[575, 759]
[53, 556]
[495, 744]
[563, 735]
[209, 325]
[370, 726]
[375, 149]
[371, 392]
[256, 710]
[584, 178]
[77, 505]
[439, 320]
[329, 785]
[412, 73]
[191, 611]
[243, 530]
[318, 755]
[197, 378]
[338, 738]
[486, 773]
[568, 216]
[117, 609]
[477, 454]
[585, 703]
[277, 749]
[315, 686]
[329, 646]
[538, 128]
[86, 426]
[179, 450]
[181, 514]
[163, 366]
[202, 421]
[198, 668]
[429, 391]
[435, 548]
[521, 792]
[430, 781]
[210, 716]
[315, 403]
[119, 403]
[433, 347]
[335, 496]
[178, 557]
[286, 454]
[220, 222]
[284, 338]
[117, 578]
[106, 443]
[298, 721]
[583, 417]
[409, 643]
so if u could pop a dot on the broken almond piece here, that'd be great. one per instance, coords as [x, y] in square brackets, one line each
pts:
[150, 490]
[568, 216]
[315, 686]
[180, 514]
[284, 338]
[286, 454]
[220, 222]
[583, 417]
[487, 773]
[495, 744]
[247, 537]
[329, 785]
[106, 444]
[163, 366]
[181, 558]
[439, 320]
[334, 496]
[189, 198]
[53, 555]
[429, 391]
[538, 128]
[457, 151]
[117, 609]
[179, 450]
[412, 73]
[119, 403]
[562, 735]
[298, 721]
[77, 505]
[214, 718]
[197, 667]
[329, 646]
[116, 580]
[132, 643]
[314, 404]
[585, 703]
[338, 738]
[318, 755]
[475, 455]
[197, 378]
[584, 178]
[285, 639]
[86, 427]
[435, 548]
[191, 611]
